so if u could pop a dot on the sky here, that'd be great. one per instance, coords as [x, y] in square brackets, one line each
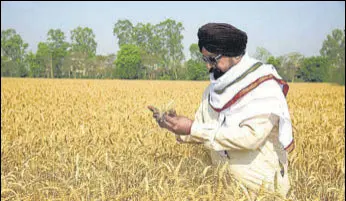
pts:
[279, 27]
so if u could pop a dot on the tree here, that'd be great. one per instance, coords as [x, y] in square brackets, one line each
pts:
[44, 59]
[75, 64]
[83, 40]
[34, 67]
[13, 52]
[333, 49]
[262, 54]
[291, 63]
[109, 66]
[277, 63]
[160, 44]
[169, 32]
[314, 69]
[123, 29]
[100, 66]
[146, 38]
[58, 49]
[8, 67]
[196, 69]
[143, 35]
[83, 49]
[274, 61]
[128, 62]
[195, 54]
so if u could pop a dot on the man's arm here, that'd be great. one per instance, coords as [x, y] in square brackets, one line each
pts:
[188, 138]
[198, 119]
[249, 134]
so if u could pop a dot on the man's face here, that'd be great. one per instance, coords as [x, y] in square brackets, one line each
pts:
[223, 63]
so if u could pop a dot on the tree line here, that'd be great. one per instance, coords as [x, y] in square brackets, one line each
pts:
[151, 51]
[328, 67]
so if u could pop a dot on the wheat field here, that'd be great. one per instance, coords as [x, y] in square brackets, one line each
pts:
[96, 140]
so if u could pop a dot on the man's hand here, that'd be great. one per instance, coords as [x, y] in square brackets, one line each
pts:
[159, 116]
[179, 125]
[156, 113]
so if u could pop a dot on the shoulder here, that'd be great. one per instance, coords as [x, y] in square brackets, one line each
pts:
[264, 83]
[267, 90]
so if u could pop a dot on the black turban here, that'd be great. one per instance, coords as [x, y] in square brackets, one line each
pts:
[222, 38]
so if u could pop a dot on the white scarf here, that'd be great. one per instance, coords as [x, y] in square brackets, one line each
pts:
[263, 101]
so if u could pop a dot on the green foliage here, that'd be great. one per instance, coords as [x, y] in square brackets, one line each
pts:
[143, 36]
[277, 63]
[169, 31]
[44, 59]
[12, 45]
[123, 29]
[83, 40]
[161, 45]
[333, 49]
[34, 67]
[289, 65]
[58, 48]
[195, 54]
[8, 67]
[314, 69]
[151, 51]
[104, 66]
[197, 70]
[274, 61]
[165, 77]
[128, 62]
[13, 52]
[262, 54]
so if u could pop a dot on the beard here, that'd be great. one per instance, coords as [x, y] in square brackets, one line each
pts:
[216, 72]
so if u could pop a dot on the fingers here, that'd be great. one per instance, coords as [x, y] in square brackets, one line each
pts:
[167, 122]
[156, 116]
[156, 113]
[153, 109]
[170, 119]
[167, 126]
[172, 113]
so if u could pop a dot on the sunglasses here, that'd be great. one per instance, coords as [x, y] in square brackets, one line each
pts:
[211, 60]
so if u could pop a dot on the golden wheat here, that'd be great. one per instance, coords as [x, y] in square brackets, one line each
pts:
[96, 140]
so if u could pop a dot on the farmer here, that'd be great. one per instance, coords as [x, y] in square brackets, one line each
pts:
[243, 117]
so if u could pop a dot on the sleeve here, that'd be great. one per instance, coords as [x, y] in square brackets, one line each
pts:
[249, 134]
[188, 138]
[198, 120]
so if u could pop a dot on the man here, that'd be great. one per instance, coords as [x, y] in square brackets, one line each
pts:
[243, 118]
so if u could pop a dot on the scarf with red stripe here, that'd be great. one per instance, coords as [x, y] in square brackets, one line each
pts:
[234, 94]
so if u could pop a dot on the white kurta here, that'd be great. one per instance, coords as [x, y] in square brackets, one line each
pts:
[250, 146]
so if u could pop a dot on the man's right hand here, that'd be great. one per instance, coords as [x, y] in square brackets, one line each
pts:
[160, 117]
